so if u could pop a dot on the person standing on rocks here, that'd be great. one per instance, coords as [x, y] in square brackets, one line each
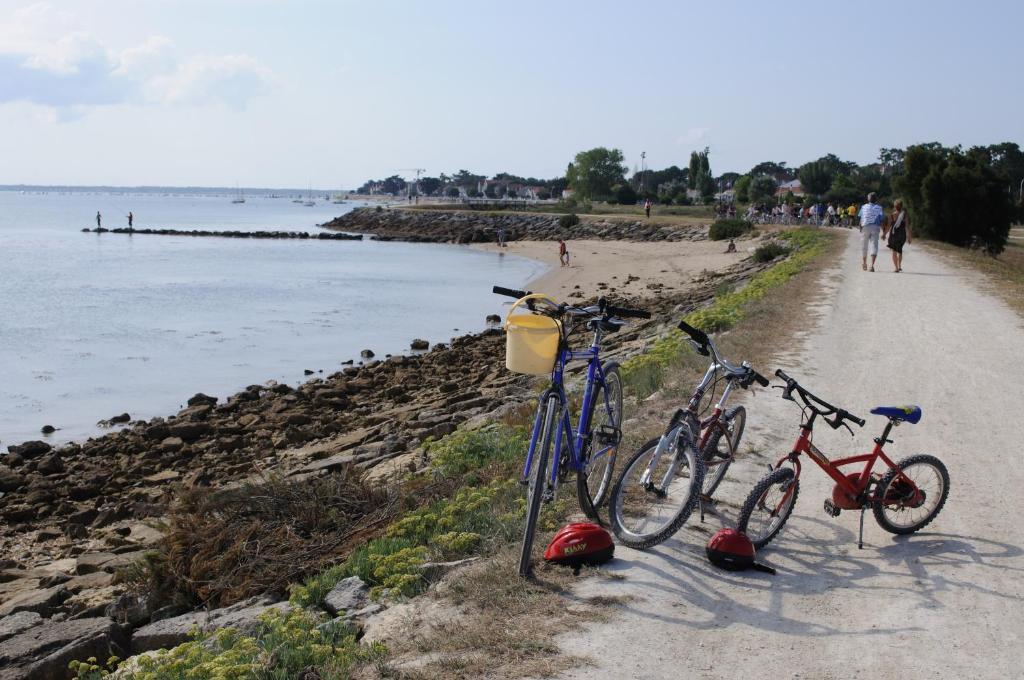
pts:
[131, 219]
[871, 218]
[563, 253]
[99, 219]
[897, 234]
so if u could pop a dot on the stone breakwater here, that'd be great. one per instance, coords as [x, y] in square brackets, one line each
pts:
[465, 226]
[75, 516]
[322, 236]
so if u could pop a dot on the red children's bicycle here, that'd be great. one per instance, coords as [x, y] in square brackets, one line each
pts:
[904, 499]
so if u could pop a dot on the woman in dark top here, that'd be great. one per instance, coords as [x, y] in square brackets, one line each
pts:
[898, 234]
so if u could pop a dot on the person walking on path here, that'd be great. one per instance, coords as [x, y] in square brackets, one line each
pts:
[501, 237]
[563, 253]
[897, 234]
[99, 219]
[131, 219]
[871, 218]
[647, 208]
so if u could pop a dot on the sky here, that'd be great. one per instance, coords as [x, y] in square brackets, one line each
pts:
[268, 93]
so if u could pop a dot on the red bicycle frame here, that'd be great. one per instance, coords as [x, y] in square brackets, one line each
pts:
[855, 490]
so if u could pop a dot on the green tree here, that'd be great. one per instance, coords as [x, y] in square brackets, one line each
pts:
[694, 174]
[742, 188]
[762, 189]
[624, 194]
[594, 172]
[956, 197]
[428, 186]
[817, 176]
[452, 192]
[779, 171]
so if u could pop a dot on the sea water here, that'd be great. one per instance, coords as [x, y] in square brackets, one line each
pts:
[93, 325]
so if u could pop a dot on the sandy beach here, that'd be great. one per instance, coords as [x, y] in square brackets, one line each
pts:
[634, 269]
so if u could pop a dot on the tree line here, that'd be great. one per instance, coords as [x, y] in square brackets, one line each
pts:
[966, 197]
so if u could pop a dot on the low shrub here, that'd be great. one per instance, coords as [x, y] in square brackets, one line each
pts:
[769, 251]
[568, 221]
[729, 228]
[220, 547]
[284, 645]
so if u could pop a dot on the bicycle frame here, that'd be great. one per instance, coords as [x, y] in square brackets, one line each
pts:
[577, 440]
[854, 490]
[716, 414]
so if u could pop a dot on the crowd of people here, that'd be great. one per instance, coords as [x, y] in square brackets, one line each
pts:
[818, 214]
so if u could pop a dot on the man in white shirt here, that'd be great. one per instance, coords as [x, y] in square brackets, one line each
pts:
[871, 218]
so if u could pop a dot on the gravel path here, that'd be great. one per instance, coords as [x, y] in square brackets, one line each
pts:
[944, 603]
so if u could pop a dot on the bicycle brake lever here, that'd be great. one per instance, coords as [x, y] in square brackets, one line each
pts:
[848, 428]
[787, 392]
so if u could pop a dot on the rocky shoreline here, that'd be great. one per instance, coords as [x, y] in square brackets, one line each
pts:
[76, 516]
[467, 226]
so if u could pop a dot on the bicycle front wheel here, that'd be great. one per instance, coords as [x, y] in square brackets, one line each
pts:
[657, 491]
[768, 506]
[721, 448]
[904, 507]
[594, 481]
[537, 478]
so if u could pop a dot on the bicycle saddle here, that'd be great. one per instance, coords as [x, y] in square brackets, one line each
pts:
[910, 414]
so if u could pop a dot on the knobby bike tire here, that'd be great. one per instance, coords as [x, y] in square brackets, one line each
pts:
[780, 477]
[642, 540]
[589, 500]
[714, 474]
[538, 480]
[883, 488]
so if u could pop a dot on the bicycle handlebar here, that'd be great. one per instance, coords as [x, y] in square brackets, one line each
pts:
[510, 292]
[699, 336]
[823, 408]
[625, 312]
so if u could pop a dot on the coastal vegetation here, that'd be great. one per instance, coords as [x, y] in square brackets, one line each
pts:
[464, 504]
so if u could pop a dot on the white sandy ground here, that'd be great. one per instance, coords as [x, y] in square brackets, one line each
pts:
[944, 603]
[611, 262]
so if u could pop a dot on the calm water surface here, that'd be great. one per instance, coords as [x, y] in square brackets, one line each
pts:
[95, 325]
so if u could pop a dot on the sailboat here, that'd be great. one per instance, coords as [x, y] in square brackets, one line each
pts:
[309, 200]
[338, 197]
[240, 198]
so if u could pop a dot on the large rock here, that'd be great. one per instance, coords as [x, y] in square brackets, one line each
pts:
[171, 632]
[42, 601]
[43, 652]
[201, 398]
[16, 623]
[349, 594]
[9, 479]
[189, 432]
[30, 449]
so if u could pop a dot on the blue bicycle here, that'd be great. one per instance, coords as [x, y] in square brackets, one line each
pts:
[590, 449]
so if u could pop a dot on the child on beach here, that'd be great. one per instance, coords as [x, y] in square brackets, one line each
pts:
[563, 254]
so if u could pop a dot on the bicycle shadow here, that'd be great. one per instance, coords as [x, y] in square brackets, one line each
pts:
[913, 571]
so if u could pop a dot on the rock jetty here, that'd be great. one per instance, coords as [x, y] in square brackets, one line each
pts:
[467, 226]
[321, 236]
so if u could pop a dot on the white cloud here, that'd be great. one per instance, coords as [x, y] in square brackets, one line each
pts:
[692, 136]
[45, 62]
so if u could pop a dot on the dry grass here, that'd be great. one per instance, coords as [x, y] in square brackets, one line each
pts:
[507, 629]
[223, 546]
[1005, 273]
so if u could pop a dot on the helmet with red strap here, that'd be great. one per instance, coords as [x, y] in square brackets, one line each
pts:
[732, 550]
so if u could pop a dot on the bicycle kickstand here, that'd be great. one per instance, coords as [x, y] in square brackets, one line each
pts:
[700, 504]
[860, 536]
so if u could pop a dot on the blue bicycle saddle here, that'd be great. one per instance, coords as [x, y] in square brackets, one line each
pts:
[910, 414]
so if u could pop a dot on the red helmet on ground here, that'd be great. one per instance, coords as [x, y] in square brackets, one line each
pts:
[732, 550]
[580, 543]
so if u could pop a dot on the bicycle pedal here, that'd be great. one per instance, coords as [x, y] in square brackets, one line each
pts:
[608, 435]
[549, 495]
[831, 508]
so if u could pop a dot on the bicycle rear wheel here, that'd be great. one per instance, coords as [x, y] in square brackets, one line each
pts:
[594, 482]
[768, 506]
[903, 508]
[537, 478]
[721, 448]
[658, 490]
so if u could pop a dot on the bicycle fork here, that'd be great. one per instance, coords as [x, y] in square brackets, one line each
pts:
[666, 445]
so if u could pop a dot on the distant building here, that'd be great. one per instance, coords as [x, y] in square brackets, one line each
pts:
[567, 193]
[793, 186]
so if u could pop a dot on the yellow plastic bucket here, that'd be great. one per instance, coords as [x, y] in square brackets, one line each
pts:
[531, 340]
